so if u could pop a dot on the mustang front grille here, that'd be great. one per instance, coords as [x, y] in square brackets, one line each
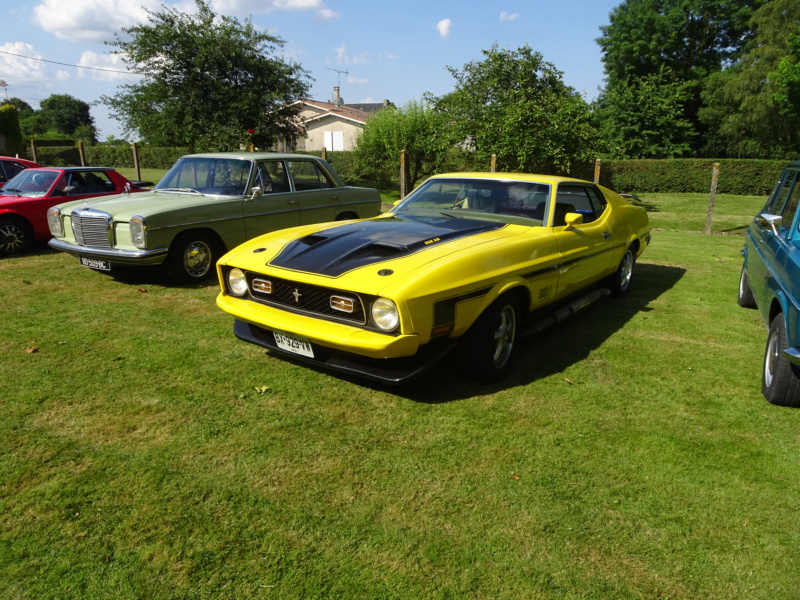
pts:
[92, 228]
[311, 299]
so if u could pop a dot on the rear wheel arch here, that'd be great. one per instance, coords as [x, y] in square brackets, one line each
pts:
[346, 216]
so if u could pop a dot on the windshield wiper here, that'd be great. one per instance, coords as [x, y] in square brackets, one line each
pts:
[11, 190]
[181, 190]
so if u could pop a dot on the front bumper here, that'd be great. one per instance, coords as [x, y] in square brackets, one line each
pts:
[123, 257]
[392, 371]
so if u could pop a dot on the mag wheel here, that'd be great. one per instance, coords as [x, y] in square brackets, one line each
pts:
[15, 236]
[487, 349]
[623, 277]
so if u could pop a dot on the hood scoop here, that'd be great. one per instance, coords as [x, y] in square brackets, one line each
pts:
[337, 250]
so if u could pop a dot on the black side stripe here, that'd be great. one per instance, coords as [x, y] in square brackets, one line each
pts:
[444, 311]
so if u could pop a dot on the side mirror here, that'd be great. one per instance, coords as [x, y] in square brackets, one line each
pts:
[255, 192]
[572, 219]
[768, 221]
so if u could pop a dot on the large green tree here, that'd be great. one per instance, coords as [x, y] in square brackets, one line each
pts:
[744, 119]
[206, 80]
[687, 40]
[416, 128]
[514, 104]
[642, 117]
[61, 113]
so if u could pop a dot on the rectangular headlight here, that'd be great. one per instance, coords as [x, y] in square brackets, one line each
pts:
[138, 232]
[54, 222]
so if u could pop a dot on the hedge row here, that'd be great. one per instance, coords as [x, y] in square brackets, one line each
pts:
[739, 177]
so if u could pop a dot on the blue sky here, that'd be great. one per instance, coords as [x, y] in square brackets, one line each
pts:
[374, 50]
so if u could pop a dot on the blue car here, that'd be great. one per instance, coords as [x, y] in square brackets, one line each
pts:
[770, 281]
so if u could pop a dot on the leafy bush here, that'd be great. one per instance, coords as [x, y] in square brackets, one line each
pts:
[9, 129]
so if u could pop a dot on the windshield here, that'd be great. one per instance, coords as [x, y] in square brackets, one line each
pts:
[30, 183]
[207, 175]
[479, 198]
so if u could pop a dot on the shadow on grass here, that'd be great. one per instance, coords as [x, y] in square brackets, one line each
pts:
[553, 350]
[563, 345]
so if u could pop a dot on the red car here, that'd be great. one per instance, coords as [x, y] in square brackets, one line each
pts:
[27, 196]
[10, 166]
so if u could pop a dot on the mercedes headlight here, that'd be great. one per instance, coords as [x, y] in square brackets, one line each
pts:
[385, 315]
[138, 229]
[237, 283]
[54, 222]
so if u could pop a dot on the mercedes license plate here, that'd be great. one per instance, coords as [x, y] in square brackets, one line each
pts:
[96, 264]
[293, 343]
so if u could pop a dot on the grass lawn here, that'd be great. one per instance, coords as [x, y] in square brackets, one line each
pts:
[147, 453]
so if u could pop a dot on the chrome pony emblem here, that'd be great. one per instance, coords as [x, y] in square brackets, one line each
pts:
[296, 293]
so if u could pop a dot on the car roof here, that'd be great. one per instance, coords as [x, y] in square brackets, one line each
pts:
[72, 169]
[253, 155]
[551, 179]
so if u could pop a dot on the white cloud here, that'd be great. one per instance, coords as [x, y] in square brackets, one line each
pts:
[443, 27]
[389, 55]
[99, 20]
[63, 75]
[89, 20]
[343, 58]
[504, 16]
[357, 80]
[17, 70]
[113, 69]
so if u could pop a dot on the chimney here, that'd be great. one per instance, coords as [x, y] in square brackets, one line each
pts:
[336, 95]
[385, 103]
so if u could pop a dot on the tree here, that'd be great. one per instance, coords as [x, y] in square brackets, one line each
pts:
[206, 80]
[10, 134]
[787, 79]
[689, 39]
[642, 117]
[515, 104]
[416, 128]
[740, 109]
[63, 114]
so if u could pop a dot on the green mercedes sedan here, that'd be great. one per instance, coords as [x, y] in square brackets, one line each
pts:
[204, 206]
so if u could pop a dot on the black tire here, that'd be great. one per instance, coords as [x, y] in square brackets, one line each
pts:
[16, 236]
[622, 279]
[746, 298]
[193, 257]
[780, 379]
[346, 216]
[486, 351]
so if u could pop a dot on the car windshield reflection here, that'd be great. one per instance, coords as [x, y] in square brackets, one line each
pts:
[33, 184]
[207, 175]
[479, 198]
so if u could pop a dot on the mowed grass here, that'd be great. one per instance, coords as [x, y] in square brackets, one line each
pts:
[147, 453]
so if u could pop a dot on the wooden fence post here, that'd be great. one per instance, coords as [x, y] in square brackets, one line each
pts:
[403, 174]
[135, 149]
[597, 163]
[713, 197]
[33, 150]
[493, 166]
[82, 153]
[324, 153]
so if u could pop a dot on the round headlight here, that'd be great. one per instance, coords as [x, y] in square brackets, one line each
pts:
[385, 315]
[54, 222]
[237, 283]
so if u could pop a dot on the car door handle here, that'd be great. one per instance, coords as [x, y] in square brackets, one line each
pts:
[291, 201]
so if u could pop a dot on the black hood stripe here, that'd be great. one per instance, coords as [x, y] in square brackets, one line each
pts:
[337, 250]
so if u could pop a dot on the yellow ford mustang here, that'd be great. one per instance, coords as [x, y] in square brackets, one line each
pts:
[468, 261]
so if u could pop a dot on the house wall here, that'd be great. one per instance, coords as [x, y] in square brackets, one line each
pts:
[315, 133]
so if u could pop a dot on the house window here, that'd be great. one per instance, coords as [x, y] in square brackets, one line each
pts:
[334, 140]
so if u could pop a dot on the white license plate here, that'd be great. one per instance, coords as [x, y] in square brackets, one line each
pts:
[97, 265]
[293, 343]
